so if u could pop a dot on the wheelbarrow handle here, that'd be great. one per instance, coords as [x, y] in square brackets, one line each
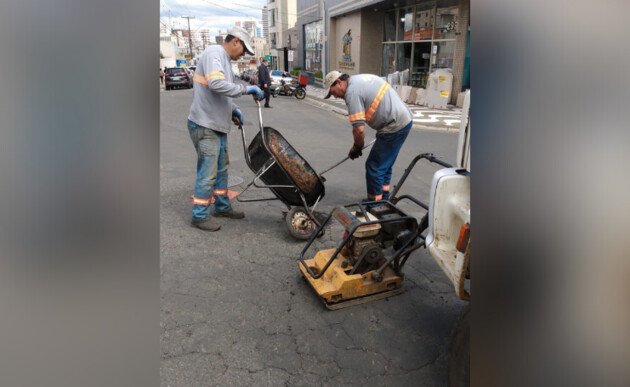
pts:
[346, 158]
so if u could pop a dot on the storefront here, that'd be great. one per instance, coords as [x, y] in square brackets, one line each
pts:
[383, 37]
[420, 39]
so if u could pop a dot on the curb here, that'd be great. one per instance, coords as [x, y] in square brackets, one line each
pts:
[322, 105]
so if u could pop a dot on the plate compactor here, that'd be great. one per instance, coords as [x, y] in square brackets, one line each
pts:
[367, 265]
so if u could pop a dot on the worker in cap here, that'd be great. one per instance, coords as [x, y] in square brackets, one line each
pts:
[372, 102]
[209, 123]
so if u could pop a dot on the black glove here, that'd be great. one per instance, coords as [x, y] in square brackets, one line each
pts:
[354, 153]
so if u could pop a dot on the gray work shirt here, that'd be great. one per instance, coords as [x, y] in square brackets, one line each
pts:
[372, 101]
[214, 89]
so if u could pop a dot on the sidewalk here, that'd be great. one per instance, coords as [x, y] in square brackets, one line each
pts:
[425, 118]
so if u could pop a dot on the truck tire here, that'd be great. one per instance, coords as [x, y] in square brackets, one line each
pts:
[459, 351]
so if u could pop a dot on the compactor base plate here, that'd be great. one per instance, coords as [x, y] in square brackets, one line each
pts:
[339, 289]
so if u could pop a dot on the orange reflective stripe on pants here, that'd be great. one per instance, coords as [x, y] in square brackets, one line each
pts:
[201, 202]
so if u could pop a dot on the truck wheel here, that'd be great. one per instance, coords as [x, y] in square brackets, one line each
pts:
[300, 224]
[459, 351]
[300, 93]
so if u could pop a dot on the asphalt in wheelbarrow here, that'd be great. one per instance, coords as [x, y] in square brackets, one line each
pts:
[290, 169]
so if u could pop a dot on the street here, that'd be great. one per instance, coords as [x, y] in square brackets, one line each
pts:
[235, 310]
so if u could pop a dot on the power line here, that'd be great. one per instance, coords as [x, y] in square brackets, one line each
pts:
[230, 9]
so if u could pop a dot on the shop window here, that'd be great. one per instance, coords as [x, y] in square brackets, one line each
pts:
[443, 55]
[405, 24]
[425, 16]
[313, 43]
[403, 61]
[389, 27]
[421, 64]
[446, 19]
[388, 60]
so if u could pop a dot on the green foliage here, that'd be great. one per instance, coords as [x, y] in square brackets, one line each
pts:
[319, 75]
[296, 71]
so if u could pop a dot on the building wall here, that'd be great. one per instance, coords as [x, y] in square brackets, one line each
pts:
[260, 46]
[370, 57]
[285, 11]
[167, 49]
[339, 29]
[265, 23]
[460, 48]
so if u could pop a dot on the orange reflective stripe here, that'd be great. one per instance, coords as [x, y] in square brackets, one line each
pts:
[219, 192]
[201, 202]
[356, 116]
[375, 197]
[385, 188]
[376, 102]
[215, 75]
[201, 79]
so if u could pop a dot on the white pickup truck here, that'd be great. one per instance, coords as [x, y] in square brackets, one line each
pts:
[447, 224]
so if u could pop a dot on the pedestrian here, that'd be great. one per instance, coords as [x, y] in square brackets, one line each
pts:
[161, 76]
[209, 124]
[264, 80]
[371, 101]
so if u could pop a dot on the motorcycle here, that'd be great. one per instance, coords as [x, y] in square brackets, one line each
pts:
[298, 91]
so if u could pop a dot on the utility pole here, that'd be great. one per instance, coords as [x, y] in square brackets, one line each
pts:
[189, 35]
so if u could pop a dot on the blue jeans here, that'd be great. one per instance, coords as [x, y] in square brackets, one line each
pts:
[378, 166]
[212, 176]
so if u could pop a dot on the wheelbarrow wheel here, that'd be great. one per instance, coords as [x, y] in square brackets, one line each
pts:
[300, 224]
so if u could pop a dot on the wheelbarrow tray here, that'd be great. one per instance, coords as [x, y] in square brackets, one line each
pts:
[290, 168]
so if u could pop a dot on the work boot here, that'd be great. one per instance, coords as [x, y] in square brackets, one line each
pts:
[230, 214]
[208, 224]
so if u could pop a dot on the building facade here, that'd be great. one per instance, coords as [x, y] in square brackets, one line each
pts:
[413, 38]
[265, 23]
[282, 15]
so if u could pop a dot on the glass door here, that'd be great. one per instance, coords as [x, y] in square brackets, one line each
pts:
[421, 64]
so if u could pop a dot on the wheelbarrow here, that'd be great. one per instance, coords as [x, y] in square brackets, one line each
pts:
[279, 167]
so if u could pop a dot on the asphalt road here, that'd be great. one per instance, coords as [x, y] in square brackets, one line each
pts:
[235, 310]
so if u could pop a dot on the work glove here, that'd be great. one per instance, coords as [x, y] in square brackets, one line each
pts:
[255, 91]
[237, 117]
[354, 153]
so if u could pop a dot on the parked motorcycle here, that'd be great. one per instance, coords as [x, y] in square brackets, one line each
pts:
[284, 88]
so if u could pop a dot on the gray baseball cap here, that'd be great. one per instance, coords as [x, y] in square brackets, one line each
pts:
[243, 35]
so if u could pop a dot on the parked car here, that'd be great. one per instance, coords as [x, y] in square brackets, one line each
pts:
[245, 75]
[191, 73]
[254, 78]
[277, 75]
[177, 77]
[248, 74]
